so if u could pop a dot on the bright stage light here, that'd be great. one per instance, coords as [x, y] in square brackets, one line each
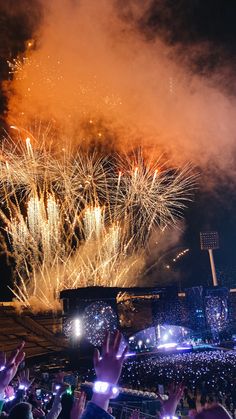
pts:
[184, 348]
[167, 345]
[77, 328]
[140, 342]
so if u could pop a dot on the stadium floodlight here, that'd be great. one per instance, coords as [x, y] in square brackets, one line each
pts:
[209, 241]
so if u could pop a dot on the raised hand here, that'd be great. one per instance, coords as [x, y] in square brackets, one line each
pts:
[78, 406]
[108, 367]
[8, 368]
[38, 413]
[9, 392]
[175, 394]
[135, 414]
[61, 384]
[24, 379]
[56, 407]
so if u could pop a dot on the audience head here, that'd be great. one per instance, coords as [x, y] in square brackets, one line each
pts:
[21, 411]
[214, 412]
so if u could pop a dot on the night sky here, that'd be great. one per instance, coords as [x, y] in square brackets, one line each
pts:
[182, 24]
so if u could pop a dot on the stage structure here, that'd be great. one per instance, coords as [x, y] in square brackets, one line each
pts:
[206, 312]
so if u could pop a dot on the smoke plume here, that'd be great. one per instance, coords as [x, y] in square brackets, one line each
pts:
[94, 72]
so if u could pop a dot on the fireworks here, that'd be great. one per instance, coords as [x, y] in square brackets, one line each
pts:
[16, 66]
[82, 219]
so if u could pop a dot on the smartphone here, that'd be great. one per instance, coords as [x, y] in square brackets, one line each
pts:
[160, 389]
[38, 392]
[69, 391]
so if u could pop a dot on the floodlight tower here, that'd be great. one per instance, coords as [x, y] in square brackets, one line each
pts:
[210, 241]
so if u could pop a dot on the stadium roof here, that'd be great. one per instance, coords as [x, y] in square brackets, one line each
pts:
[41, 333]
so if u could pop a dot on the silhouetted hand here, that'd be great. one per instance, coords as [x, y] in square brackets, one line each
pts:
[63, 388]
[78, 406]
[9, 367]
[24, 378]
[175, 394]
[38, 413]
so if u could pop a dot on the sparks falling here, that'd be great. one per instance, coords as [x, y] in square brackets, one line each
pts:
[83, 219]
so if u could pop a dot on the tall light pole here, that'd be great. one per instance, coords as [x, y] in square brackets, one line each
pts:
[210, 241]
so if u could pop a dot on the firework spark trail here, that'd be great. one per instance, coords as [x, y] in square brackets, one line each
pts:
[151, 194]
[83, 219]
[16, 66]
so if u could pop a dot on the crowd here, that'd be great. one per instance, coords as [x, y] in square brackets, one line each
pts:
[207, 371]
[193, 386]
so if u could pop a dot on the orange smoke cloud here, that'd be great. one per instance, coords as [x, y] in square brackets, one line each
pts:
[89, 65]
